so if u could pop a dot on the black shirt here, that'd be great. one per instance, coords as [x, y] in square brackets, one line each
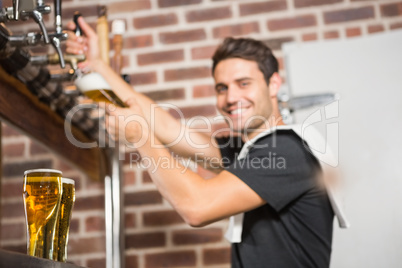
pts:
[294, 228]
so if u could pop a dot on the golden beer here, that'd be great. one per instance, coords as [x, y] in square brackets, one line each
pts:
[95, 87]
[42, 194]
[104, 95]
[63, 223]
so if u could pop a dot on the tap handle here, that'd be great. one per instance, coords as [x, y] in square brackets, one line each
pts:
[16, 7]
[57, 15]
[38, 18]
[78, 31]
[56, 45]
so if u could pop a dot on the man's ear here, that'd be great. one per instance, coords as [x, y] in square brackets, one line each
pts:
[275, 83]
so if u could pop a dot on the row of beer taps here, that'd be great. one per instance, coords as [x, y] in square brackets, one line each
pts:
[35, 10]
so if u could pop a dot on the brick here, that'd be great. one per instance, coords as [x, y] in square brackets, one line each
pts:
[397, 25]
[11, 188]
[352, 32]
[18, 168]
[263, 7]
[182, 36]
[391, 10]
[130, 220]
[132, 261]
[375, 28]
[80, 245]
[86, 11]
[36, 148]
[331, 35]
[346, 15]
[74, 226]
[189, 112]
[161, 218]
[131, 158]
[276, 43]
[155, 21]
[292, 23]
[143, 78]
[131, 6]
[169, 94]
[13, 231]
[203, 91]
[170, 259]
[236, 30]
[63, 165]
[13, 210]
[13, 150]
[309, 3]
[129, 178]
[160, 57]
[98, 263]
[309, 37]
[146, 178]
[95, 223]
[209, 14]
[145, 240]
[216, 256]
[89, 203]
[186, 73]
[196, 236]
[206, 52]
[175, 3]
[281, 66]
[138, 41]
[142, 198]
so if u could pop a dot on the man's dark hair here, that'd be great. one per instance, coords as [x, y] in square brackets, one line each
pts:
[248, 49]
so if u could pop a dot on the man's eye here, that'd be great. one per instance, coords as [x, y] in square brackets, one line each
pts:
[244, 84]
[221, 89]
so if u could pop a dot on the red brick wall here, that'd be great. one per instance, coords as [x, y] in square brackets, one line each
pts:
[167, 50]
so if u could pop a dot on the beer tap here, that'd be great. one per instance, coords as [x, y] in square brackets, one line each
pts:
[24, 9]
[72, 59]
[27, 9]
[59, 34]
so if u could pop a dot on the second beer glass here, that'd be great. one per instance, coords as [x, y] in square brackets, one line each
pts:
[63, 223]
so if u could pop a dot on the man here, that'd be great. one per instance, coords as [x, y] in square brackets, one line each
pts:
[269, 174]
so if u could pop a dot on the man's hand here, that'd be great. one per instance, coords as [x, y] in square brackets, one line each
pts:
[126, 124]
[87, 44]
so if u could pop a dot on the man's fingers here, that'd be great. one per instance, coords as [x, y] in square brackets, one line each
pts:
[71, 25]
[86, 28]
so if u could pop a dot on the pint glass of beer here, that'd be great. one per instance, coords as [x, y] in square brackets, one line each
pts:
[42, 195]
[95, 87]
[63, 222]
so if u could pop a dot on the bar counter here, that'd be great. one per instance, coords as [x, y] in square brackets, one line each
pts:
[10, 259]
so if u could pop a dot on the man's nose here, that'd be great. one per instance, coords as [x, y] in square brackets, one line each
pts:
[232, 95]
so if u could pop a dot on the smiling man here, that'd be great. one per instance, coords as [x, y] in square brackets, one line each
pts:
[268, 180]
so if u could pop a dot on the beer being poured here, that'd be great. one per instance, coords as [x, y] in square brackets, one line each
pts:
[94, 86]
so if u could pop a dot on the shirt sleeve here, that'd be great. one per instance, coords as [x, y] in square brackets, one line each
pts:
[279, 168]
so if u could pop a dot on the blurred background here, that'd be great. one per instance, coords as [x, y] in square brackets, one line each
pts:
[166, 53]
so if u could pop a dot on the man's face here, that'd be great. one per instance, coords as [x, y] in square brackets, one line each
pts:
[243, 96]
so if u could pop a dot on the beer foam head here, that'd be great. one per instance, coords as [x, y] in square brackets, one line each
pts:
[91, 81]
[67, 180]
[42, 170]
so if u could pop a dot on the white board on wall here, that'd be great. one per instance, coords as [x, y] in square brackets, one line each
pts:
[366, 72]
